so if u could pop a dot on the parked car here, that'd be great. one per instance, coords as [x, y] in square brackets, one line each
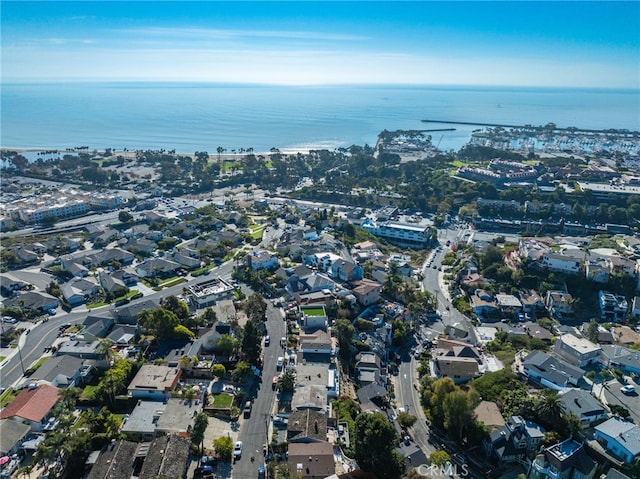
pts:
[204, 472]
[280, 363]
[628, 389]
[267, 340]
[237, 450]
[247, 409]
[459, 458]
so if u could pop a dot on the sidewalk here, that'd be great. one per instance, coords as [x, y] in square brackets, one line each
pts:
[9, 353]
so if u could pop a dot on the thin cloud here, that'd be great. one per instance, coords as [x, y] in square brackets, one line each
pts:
[214, 33]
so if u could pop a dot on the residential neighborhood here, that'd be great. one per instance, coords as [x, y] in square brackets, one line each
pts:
[251, 334]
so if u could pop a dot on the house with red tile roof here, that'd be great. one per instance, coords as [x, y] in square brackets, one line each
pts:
[32, 406]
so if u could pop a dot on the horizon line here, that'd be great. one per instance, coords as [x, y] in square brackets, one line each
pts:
[317, 85]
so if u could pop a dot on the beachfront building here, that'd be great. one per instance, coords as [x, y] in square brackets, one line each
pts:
[404, 233]
[60, 204]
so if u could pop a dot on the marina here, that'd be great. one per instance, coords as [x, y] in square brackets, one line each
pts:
[552, 139]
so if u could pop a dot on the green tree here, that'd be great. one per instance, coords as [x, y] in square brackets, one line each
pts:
[619, 411]
[176, 306]
[550, 408]
[223, 447]
[200, 423]
[242, 371]
[375, 442]
[591, 331]
[69, 396]
[182, 332]
[550, 438]
[255, 306]
[287, 381]
[572, 425]
[9, 258]
[209, 316]
[124, 216]
[53, 288]
[218, 370]
[159, 322]
[344, 333]
[437, 393]
[251, 342]
[76, 447]
[226, 345]
[459, 416]
[406, 420]
[491, 385]
[114, 380]
[399, 332]
[439, 458]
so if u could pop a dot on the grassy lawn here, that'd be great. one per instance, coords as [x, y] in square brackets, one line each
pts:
[2, 358]
[256, 231]
[31, 369]
[128, 295]
[227, 166]
[458, 163]
[173, 282]
[96, 305]
[89, 392]
[222, 400]
[313, 311]
[7, 396]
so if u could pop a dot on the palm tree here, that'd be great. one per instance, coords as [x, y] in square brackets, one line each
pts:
[550, 408]
[70, 396]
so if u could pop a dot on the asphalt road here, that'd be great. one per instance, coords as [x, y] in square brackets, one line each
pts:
[43, 334]
[613, 395]
[433, 283]
[253, 431]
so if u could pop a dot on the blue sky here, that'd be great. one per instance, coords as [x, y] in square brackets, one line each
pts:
[546, 43]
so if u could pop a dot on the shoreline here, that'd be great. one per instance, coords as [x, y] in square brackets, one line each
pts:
[130, 154]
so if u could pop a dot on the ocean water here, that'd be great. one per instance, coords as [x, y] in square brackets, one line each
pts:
[191, 117]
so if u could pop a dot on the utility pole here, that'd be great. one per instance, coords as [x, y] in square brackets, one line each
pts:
[20, 356]
[266, 445]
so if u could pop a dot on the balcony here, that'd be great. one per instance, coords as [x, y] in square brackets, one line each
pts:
[548, 471]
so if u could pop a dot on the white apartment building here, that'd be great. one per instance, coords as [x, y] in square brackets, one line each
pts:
[403, 232]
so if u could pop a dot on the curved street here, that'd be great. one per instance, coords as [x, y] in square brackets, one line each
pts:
[43, 334]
